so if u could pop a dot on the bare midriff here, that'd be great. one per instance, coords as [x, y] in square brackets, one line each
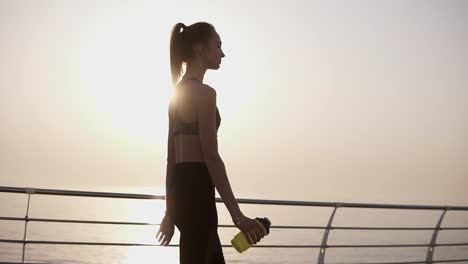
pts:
[188, 148]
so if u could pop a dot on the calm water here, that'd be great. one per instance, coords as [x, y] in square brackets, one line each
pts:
[150, 211]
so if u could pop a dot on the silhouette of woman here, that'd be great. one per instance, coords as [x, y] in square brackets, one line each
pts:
[194, 166]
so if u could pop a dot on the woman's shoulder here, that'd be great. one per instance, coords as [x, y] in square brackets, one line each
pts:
[206, 94]
[201, 92]
[194, 94]
[189, 86]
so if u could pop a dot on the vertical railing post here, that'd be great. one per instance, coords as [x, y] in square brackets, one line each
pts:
[323, 246]
[29, 191]
[430, 250]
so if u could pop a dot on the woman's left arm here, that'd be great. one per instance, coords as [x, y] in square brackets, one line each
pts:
[170, 167]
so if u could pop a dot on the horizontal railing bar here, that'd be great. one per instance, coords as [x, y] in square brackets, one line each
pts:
[273, 226]
[399, 228]
[80, 193]
[260, 246]
[369, 228]
[76, 243]
[285, 227]
[404, 262]
[247, 201]
[388, 245]
[24, 262]
[74, 221]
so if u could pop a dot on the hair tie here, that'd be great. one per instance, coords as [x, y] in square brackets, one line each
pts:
[184, 27]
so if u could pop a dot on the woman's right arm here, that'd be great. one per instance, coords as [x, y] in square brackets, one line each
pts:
[206, 108]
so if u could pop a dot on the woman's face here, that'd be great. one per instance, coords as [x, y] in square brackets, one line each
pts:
[213, 52]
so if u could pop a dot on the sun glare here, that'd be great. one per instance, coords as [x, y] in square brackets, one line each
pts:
[131, 111]
[123, 81]
[156, 254]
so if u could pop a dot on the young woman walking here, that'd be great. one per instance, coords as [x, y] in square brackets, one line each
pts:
[194, 166]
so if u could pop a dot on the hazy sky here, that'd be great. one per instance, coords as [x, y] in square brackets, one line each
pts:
[354, 101]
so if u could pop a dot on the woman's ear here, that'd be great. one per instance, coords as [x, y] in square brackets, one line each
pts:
[198, 49]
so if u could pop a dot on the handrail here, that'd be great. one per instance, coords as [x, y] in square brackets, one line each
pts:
[247, 201]
[260, 246]
[273, 226]
[322, 246]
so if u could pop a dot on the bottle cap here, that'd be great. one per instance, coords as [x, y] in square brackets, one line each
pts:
[266, 223]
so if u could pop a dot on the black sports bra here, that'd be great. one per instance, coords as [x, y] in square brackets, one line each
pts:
[181, 127]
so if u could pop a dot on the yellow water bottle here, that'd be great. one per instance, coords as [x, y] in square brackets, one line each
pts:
[240, 242]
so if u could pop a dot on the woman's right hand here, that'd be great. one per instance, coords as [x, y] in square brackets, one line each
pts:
[166, 231]
[252, 231]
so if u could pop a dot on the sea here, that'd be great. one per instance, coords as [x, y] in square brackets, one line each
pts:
[151, 211]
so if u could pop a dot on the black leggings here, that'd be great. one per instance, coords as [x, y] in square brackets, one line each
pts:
[196, 216]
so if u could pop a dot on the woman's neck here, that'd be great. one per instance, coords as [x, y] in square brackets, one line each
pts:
[195, 71]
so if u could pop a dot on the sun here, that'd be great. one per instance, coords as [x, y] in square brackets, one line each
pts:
[125, 83]
[131, 112]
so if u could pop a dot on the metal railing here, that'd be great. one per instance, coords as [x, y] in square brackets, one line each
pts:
[323, 246]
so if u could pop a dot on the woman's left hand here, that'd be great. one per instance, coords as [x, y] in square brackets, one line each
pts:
[166, 231]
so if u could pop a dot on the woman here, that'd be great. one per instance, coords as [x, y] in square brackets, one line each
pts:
[194, 166]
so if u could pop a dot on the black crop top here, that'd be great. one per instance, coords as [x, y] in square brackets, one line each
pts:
[181, 127]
